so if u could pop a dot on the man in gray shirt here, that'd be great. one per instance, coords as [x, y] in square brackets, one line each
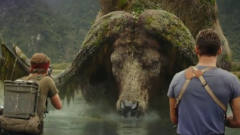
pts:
[197, 113]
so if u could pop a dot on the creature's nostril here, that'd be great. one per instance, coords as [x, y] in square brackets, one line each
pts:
[130, 108]
[134, 106]
[128, 105]
[122, 105]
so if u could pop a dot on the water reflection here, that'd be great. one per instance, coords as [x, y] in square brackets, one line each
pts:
[79, 118]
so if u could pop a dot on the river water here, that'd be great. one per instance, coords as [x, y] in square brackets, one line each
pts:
[79, 118]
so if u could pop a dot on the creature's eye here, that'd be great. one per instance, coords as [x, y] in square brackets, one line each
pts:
[151, 65]
[117, 64]
[117, 60]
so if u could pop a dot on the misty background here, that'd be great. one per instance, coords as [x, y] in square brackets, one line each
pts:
[55, 27]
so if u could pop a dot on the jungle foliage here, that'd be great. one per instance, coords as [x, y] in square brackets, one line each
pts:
[55, 27]
[229, 17]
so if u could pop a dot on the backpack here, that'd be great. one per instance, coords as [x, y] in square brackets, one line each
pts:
[20, 107]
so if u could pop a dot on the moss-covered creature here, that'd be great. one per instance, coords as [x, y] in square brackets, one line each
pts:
[130, 61]
[11, 66]
[128, 57]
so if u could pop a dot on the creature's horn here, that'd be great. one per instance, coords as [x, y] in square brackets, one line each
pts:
[96, 46]
[11, 65]
[165, 26]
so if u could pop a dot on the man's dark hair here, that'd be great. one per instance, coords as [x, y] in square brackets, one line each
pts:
[208, 42]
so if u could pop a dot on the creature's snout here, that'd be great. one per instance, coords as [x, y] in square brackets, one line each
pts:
[130, 108]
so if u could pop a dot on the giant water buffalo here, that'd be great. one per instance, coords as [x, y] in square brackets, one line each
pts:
[134, 48]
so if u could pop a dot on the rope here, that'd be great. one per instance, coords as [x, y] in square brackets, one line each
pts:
[14, 66]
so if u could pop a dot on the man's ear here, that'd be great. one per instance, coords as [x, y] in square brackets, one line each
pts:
[219, 51]
[196, 50]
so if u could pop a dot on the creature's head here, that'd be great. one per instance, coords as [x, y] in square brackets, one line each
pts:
[136, 67]
[133, 57]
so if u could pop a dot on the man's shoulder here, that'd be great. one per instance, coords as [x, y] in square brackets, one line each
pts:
[178, 77]
[22, 78]
[224, 73]
[47, 80]
[180, 74]
[219, 72]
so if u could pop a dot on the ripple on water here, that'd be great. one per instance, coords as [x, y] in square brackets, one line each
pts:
[78, 118]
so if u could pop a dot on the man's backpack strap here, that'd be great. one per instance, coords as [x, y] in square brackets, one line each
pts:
[188, 76]
[182, 91]
[210, 92]
[190, 73]
[36, 79]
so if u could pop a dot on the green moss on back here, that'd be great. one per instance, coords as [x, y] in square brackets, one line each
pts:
[138, 7]
[122, 3]
[208, 2]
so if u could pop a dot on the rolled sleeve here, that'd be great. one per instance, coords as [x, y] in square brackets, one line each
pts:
[52, 88]
[235, 87]
[172, 85]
